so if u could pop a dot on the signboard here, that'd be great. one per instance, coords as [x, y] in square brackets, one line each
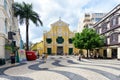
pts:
[22, 55]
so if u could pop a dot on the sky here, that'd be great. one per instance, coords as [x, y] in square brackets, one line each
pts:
[70, 11]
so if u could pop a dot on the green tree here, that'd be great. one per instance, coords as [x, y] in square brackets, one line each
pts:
[25, 13]
[88, 39]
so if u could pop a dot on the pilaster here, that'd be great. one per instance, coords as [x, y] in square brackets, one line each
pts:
[2, 47]
[109, 53]
[118, 53]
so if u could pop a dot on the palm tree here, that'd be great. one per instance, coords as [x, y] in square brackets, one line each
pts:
[25, 13]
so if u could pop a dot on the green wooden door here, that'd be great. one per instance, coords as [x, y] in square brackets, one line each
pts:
[70, 51]
[49, 51]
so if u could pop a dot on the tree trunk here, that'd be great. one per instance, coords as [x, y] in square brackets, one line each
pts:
[27, 35]
[87, 53]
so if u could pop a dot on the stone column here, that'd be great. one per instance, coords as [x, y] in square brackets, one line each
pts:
[101, 52]
[2, 47]
[2, 24]
[109, 53]
[2, 39]
[118, 53]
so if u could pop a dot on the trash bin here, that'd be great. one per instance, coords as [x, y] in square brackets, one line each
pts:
[2, 61]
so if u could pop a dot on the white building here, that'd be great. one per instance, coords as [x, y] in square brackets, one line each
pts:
[109, 26]
[89, 20]
[7, 23]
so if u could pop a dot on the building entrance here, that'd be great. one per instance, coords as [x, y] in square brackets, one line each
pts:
[49, 51]
[60, 50]
[105, 53]
[70, 51]
[114, 53]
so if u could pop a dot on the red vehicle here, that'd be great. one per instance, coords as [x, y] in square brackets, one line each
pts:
[31, 55]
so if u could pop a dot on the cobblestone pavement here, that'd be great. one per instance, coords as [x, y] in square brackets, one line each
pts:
[62, 68]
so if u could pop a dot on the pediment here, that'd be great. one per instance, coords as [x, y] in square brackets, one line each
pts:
[59, 23]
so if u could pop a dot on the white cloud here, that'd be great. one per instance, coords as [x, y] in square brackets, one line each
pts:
[37, 40]
[71, 11]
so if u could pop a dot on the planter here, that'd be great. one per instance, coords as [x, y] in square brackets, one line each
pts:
[31, 55]
[2, 61]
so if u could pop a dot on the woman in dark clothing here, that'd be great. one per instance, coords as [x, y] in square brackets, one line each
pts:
[12, 58]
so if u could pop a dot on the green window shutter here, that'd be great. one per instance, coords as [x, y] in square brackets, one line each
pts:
[70, 51]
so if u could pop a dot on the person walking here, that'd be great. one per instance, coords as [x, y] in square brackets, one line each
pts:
[97, 55]
[12, 57]
[80, 56]
[38, 55]
[91, 55]
[46, 55]
[43, 57]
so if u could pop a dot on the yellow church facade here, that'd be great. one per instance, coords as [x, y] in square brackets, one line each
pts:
[58, 41]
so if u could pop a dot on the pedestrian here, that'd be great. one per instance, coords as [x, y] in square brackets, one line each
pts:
[46, 55]
[12, 57]
[80, 57]
[97, 55]
[43, 57]
[91, 55]
[38, 56]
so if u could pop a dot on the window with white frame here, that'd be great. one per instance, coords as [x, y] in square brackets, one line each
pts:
[114, 21]
[114, 37]
[5, 4]
[105, 41]
[119, 20]
[97, 30]
[104, 27]
[5, 28]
